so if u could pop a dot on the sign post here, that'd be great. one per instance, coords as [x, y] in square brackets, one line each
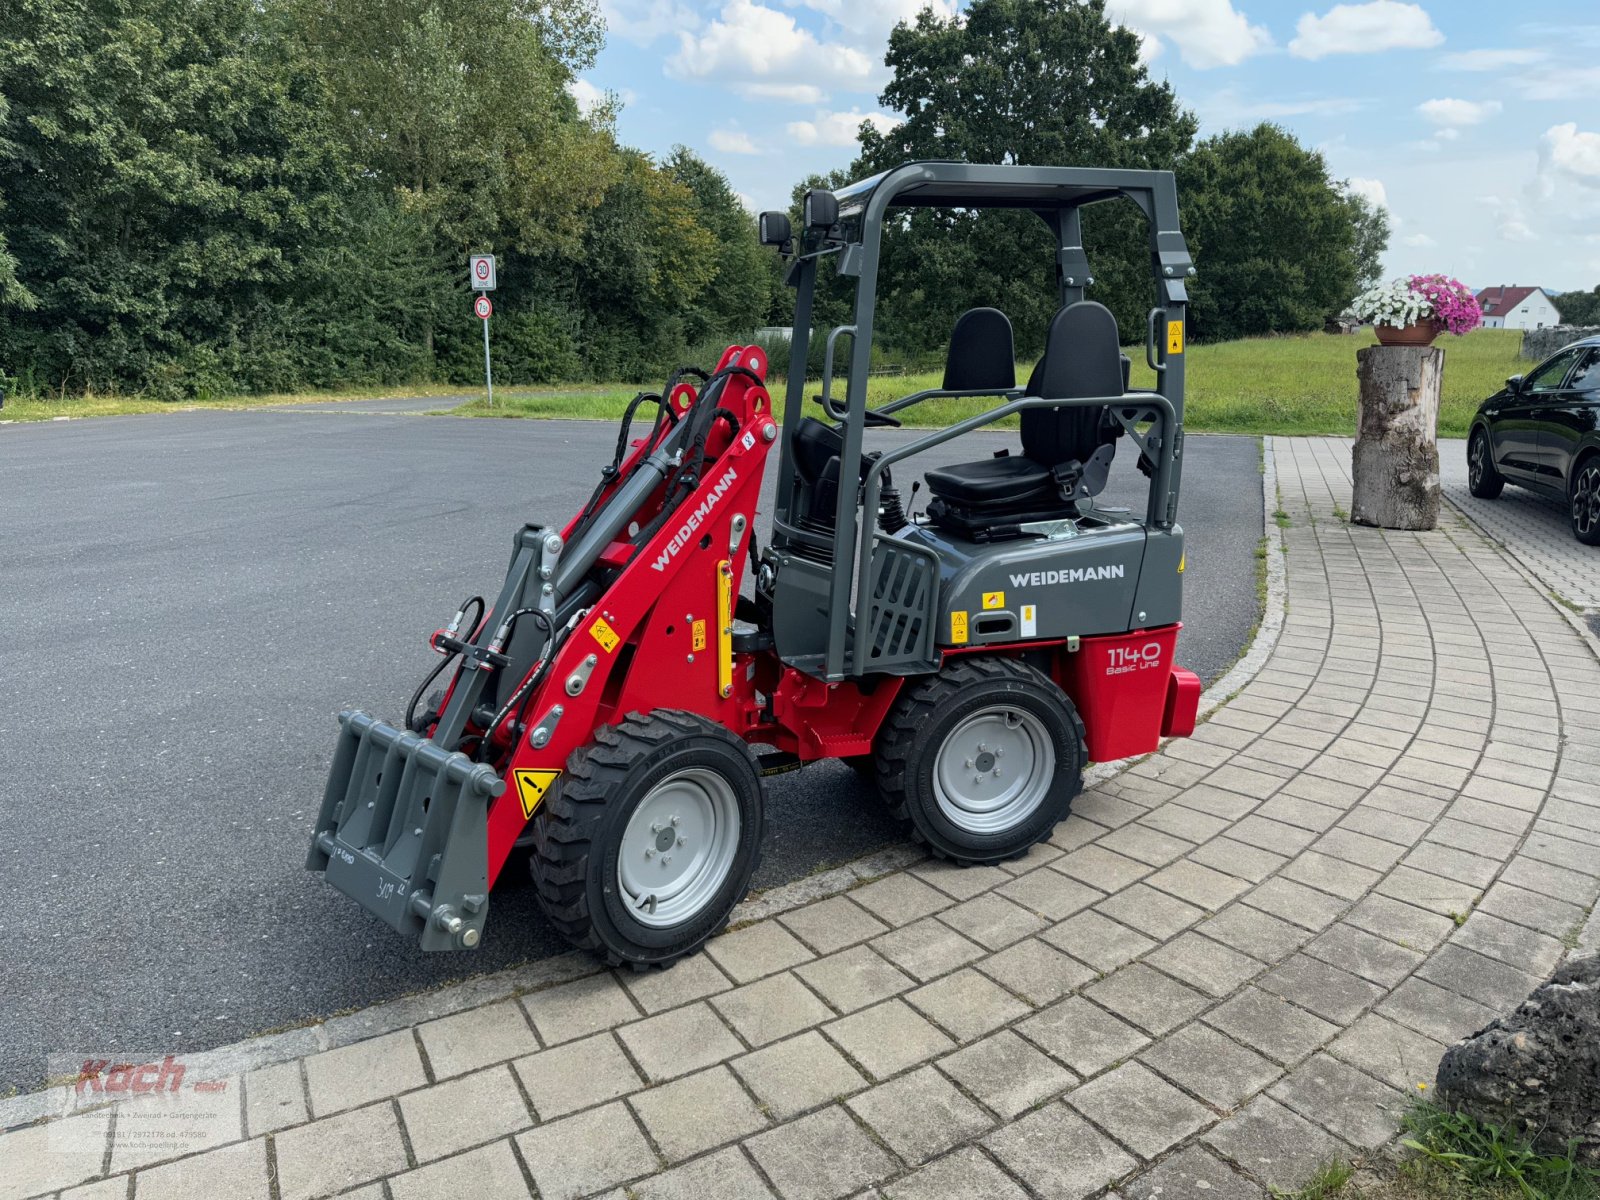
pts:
[482, 275]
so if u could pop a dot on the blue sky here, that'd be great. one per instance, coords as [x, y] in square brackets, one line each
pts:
[1473, 121]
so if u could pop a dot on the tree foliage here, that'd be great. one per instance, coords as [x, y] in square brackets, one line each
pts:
[1578, 308]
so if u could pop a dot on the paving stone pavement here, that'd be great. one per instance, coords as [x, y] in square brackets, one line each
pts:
[1533, 527]
[1235, 961]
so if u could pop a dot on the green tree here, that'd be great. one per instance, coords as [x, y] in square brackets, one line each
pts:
[12, 293]
[1579, 308]
[1371, 225]
[736, 298]
[1273, 237]
[1041, 82]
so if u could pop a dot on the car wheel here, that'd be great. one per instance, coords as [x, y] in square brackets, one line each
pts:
[1586, 501]
[1483, 480]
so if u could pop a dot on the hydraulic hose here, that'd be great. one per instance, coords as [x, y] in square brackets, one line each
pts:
[459, 623]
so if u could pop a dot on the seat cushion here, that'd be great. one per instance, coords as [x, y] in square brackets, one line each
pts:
[1002, 481]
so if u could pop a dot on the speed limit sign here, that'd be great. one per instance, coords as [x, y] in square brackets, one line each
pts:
[481, 270]
[482, 307]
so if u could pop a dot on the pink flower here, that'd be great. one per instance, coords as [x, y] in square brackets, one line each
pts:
[1453, 304]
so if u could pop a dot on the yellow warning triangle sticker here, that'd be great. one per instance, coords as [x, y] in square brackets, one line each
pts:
[531, 787]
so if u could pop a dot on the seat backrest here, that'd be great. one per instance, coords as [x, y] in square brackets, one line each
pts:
[1082, 357]
[982, 353]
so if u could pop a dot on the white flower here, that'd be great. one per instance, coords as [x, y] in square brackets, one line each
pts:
[1392, 303]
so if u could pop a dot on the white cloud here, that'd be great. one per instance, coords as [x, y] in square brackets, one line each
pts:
[1509, 220]
[1364, 29]
[590, 97]
[1563, 84]
[1418, 239]
[793, 93]
[645, 21]
[1569, 151]
[1228, 108]
[1449, 113]
[838, 128]
[1370, 190]
[1208, 33]
[868, 22]
[1490, 60]
[732, 141]
[750, 45]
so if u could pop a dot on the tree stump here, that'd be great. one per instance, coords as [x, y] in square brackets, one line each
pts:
[1395, 465]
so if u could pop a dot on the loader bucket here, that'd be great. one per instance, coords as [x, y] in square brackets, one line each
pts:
[403, 831]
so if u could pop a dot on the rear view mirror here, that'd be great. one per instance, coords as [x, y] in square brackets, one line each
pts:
[774, 228]
[820, 209]
[1514, 383]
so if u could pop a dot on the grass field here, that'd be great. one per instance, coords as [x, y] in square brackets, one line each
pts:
[1302, 384]
[1290, 385]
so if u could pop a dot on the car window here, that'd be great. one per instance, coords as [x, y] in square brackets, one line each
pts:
[1548, 377]
[1587, 377]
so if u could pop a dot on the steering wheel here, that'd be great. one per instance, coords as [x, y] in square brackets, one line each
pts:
[875, 419]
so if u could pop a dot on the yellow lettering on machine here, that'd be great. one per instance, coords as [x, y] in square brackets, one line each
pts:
[531, 787]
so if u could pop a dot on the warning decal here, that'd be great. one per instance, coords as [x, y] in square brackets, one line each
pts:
[532, 785]
[994, 600]
[604, 634]
[1174, 337]
[1030, 620]
[697, 635]
[958, 628]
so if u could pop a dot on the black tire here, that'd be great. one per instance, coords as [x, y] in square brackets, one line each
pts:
[1583, 501]
[579, 833]
[1483, 480]
[927, 714]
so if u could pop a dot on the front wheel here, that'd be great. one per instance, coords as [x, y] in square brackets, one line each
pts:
[983, 759]
[651, 838]
[1586, 502]
[1483, 480]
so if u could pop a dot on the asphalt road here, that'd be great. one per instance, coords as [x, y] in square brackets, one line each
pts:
[189, 599]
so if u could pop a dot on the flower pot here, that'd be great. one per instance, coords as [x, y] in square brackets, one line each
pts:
[1418, 333]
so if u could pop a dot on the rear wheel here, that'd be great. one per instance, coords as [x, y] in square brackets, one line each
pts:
[1483, 480]
[983, 759]
[651, 838]
[1586, 501]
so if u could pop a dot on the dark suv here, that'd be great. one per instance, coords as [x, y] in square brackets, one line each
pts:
[1543, 432]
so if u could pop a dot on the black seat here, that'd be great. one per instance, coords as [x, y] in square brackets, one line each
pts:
[1066, 452]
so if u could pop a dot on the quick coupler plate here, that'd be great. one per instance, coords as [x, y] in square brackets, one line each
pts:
[403, 831]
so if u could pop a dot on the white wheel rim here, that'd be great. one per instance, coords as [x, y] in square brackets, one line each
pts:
[994, 770]
[679, 847]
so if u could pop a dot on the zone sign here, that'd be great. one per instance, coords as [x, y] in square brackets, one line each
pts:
[481, 268]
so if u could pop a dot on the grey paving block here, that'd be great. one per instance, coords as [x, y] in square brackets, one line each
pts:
[274, 1098]
[854, 978]
[1082, 1035]
[792, 1076]
[1450, 863]
[1346, 880]
[1296, 810]
[1198, 884]
[363, 1072]
[1296, 903]
[1190, 824]
[1375, 959]
[1432, 892]
[577, 1075]
[691, 1115]
[833, 924]
[489, 1173]
[1253, 932]
[1037, 972]
[1149, 846]
[1140, 1109]
[1097, 940]
[586, 1153]
[693, 978]
[993, 921]
[1200, 962]
[770, 1009]
[959, 883]
[1007, 1074]
[1323, 989]
[967, 1005]
[757, 950]
[887, 1038]
[1147, 998]
[1218, 803]
[725, 1175]
[900, 899]
[1399, 1056]
[1232, 857]
[1191, 1174]
[824, 1156]
[1441, 1014]
[1345, 1101]
[468, 1040]
[678, 1042]
[963, 1175]
[1059, 1154]
[238, 1172]
[1275, 1144]
[1152, 913]
[1216, 1068]
[1271, 1025]
[1514, 945]
[464, 1111]
[1575, 887]
[1486, 980]
[1049, 894]
[1406, 924]
[920, 1115]
[1531, 909]
[336, 1153]
[577, 1009]
[927, 948]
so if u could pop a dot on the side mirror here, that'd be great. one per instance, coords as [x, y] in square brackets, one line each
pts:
[819, 209]
[774, 228]
[1514, 384]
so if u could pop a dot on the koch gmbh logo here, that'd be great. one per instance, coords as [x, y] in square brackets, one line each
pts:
[165, 1105]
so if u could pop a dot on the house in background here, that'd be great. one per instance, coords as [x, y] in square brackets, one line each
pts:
[1517, 308]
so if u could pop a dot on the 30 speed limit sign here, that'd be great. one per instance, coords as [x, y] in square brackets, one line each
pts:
[481, 270]
[483, 308]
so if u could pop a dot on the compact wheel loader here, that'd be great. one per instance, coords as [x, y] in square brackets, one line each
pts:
[613, 712]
